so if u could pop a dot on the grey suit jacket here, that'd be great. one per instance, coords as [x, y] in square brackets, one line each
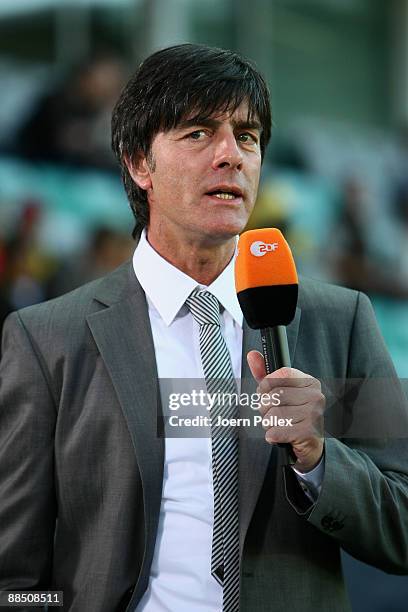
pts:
[81, 461]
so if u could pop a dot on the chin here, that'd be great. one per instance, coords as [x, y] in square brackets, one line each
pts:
[233, 226]
[226, 231]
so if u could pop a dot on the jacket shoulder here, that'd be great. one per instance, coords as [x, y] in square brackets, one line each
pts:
[80, 302]
[316, 293]
[63, 319]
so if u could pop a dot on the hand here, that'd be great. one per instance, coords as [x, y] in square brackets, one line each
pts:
[301, 402]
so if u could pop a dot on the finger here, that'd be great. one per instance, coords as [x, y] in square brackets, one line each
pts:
[286, 397]
[281, 401]
[256, 364]
[309, 414]
[289, 373]
[295, 434]
[299, 396]
[287, 377]
[288, 420]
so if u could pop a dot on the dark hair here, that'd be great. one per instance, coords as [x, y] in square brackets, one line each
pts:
[172, 84]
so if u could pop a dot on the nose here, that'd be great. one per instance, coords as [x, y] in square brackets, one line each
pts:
[227, 153]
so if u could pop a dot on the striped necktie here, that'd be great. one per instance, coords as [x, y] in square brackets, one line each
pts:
[219, 378]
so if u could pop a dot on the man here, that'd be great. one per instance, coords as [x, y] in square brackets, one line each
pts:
[95, 502]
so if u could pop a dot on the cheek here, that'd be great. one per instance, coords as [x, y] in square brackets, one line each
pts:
[252, 169]
[177, 183]
[253, 177]
[168, 174]
[256, 170]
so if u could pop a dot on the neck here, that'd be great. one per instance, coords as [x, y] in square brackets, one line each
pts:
[202, 261]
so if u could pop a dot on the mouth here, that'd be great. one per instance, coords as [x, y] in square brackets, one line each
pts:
[225, 193]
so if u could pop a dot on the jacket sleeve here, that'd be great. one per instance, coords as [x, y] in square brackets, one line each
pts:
[27, 494]
[363, 502]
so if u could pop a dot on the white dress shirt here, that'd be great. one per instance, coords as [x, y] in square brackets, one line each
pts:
[180, 578]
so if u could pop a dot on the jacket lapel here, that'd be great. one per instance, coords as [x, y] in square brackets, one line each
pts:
[123, 336]
[254, 452]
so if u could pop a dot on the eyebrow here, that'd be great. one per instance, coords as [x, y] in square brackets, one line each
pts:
[214, 123]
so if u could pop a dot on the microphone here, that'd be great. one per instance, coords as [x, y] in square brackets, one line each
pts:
[267, 289]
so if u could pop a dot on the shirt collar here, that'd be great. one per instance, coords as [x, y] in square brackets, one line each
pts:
[167, 287]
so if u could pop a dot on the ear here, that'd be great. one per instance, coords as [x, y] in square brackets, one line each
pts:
[139, 171]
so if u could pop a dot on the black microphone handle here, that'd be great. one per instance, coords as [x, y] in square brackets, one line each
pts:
[275, 350]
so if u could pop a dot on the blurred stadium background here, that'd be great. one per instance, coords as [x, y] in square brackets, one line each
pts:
[335, 179]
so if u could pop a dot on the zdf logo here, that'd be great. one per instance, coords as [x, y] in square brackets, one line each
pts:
[259, 248]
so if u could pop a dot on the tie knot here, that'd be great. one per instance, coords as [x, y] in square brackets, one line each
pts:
[204, 307]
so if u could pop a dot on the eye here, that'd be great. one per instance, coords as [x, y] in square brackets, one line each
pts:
[247, 138]
[197, 135]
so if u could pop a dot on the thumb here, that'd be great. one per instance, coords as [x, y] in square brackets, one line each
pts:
[256, 364]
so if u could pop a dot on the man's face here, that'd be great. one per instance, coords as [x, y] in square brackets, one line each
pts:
[202, 178]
